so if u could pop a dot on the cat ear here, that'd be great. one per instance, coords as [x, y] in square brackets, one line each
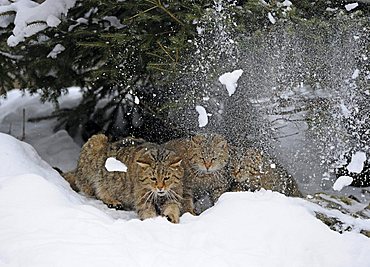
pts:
[143, 164]
[176, 164]
[223, 144]
[197, 139]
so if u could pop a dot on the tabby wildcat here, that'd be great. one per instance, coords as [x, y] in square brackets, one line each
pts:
[205, 157]
[152, 185]
[251, 170]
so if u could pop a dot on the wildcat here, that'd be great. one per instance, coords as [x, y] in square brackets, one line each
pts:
[151, 186]
[205, 157]
[251, 169]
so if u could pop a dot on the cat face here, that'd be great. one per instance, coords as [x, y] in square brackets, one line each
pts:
[209, 153]
[246, 166]
[160, 172]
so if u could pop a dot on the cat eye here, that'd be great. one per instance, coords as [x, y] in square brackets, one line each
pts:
[166, 178]
[153, 179]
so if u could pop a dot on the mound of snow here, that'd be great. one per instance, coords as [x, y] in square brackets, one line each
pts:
[44, 223]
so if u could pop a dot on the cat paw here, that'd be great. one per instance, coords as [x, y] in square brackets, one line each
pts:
[173, 218]
[116, 205]
[172, 213]
[119, 207]
[147, 214]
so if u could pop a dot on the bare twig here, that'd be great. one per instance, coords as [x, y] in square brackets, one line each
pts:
[288, 135]
[10, 129]
[24, 125]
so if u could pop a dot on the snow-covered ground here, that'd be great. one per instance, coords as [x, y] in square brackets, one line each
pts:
[43, 222]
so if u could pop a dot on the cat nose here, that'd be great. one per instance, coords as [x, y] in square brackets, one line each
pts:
[160, 191]
[207, 164]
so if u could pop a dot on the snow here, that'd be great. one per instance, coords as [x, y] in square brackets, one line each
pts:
[202, 116]
[44, 222]
[351, 6]
[357, 162]
[200, 30]
[341, 182]
[230, 79]
[287, 3]
[31, 17]
[355, 74]
[344, 110]
[56, 51]
[114, 22]
[56, 148]
[271, 18]
[52, 21]
[114, 165]
[136, 100]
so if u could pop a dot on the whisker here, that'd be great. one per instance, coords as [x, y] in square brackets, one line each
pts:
[169, 195]
[145, 195]
[175, 195]
[149, 197]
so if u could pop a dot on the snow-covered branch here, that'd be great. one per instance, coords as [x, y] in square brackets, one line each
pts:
[30, 17]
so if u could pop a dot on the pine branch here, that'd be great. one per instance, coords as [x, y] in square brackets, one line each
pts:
[143, 12]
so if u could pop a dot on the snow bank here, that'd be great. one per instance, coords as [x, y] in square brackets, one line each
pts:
[44, 223]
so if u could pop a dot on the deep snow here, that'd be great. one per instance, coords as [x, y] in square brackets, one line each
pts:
[43, 222]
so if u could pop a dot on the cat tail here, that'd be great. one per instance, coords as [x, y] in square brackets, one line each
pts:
[70, 177]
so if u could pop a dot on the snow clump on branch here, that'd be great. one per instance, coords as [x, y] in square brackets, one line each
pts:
[30, 17]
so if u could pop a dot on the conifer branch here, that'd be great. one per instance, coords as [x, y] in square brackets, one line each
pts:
[143, 12]
[153, 66]
[159, 4]
[165, 50]
[155, 55]
[169, 13]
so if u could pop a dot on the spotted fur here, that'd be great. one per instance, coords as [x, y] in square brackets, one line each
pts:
[251, 169]
[151, 186]
[205, 163]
